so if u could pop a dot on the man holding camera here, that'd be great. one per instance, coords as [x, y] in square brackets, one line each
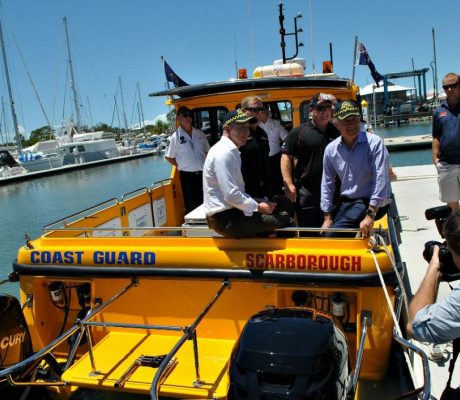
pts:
[431, 321]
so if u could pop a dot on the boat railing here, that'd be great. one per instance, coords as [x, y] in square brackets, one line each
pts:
[48, 349]
[82, 327]
[202, 231]
[64, 222]
[425, 389]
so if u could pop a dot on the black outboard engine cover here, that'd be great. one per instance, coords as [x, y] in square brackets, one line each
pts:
[15, 342]
[291, 353]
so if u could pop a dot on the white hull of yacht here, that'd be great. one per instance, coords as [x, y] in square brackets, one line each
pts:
[48, 162]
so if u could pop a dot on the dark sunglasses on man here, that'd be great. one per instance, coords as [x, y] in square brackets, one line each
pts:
[255, 109]
[452, 86]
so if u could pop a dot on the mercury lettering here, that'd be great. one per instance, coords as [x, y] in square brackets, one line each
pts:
[303, 262]
[12, 340]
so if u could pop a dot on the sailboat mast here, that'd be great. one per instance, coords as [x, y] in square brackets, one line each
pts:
[10, 93]
[123, 105]
[72, 78]
[141, 108]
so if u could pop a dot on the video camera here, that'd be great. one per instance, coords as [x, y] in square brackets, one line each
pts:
[448, 268]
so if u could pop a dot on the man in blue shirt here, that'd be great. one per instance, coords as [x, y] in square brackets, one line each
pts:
[356, 163]
[446, 142]
[431, 321]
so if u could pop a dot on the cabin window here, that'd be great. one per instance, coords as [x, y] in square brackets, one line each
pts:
[304, 110]
[282, 111]
[209, 120]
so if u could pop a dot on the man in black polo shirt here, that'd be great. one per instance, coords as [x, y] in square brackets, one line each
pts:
[254, 154]
[302, 160]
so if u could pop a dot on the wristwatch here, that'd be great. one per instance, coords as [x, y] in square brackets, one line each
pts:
[370, 213]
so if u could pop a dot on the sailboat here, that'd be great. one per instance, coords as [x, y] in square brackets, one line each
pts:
[77, 146]
[29, 160]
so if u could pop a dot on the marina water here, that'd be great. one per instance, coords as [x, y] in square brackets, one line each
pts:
[28, 206]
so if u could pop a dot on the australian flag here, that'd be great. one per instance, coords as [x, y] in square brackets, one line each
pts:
[171, 76]
[364, 59]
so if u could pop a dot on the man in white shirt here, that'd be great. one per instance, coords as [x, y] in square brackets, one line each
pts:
[229, 210]
[187, 150]
[276, 134]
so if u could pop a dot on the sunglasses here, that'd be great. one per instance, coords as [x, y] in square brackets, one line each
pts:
[447, 87]
[324, 108]
[255, 109]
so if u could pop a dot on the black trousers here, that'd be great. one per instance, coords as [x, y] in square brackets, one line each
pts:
[192, 189]
[233, 222]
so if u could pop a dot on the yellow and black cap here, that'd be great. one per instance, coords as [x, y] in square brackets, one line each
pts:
[237, 117]
[346, 109]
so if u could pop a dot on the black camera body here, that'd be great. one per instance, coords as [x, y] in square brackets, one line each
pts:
[449, 270]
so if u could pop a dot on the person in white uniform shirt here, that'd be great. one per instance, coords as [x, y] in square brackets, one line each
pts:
[187, 150]
[276, 134]
[229, 210]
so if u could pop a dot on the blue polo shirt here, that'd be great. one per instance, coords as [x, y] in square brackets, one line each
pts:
[446, 127]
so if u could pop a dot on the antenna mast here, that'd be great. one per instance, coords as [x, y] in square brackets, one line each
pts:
[283, 34]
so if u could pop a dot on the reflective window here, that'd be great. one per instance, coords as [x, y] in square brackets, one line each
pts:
[282, 111]
[304, 111]
[209, 120]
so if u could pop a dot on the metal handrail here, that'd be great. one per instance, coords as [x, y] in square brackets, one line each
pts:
[185, 229]
[48, 227]
[426, 394]
[189, 332]
[62, 338]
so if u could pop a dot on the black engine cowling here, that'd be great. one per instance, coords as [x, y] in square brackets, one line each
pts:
[15, 342]
[292, 353]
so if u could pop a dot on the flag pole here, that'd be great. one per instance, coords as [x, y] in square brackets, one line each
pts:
[163, 64]
[354, 59]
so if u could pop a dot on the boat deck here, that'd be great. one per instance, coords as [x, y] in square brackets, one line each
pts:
[127, 347]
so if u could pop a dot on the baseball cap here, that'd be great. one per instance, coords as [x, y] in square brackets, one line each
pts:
[320, 98]
[237, 117]
[346, 109]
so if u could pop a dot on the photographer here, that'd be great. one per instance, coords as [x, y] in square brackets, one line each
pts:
[431, 321]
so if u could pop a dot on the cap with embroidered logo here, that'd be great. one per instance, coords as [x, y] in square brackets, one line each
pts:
[346, 109]
[237, 117]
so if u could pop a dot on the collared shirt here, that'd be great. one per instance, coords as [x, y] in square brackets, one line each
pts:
[189, 152]
[276, 134]
[362, 170]
[446, 128]
[223, 184]
[439, 322]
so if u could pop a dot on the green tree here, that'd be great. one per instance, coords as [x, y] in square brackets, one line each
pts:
[40, 134]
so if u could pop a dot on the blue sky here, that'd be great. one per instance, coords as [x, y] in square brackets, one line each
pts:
[112, 39]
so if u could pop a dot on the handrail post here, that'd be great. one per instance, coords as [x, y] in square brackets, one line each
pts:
[188, 332]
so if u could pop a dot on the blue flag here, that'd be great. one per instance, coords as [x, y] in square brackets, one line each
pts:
[171, 76]
[364, 59]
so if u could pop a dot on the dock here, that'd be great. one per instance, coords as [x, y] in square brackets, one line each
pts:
[73, 167]
[415, 190]
[408, 142]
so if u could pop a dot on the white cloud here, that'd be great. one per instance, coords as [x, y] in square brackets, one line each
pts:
[160, 117]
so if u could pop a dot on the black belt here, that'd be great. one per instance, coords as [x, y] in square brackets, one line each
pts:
[191, 173]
